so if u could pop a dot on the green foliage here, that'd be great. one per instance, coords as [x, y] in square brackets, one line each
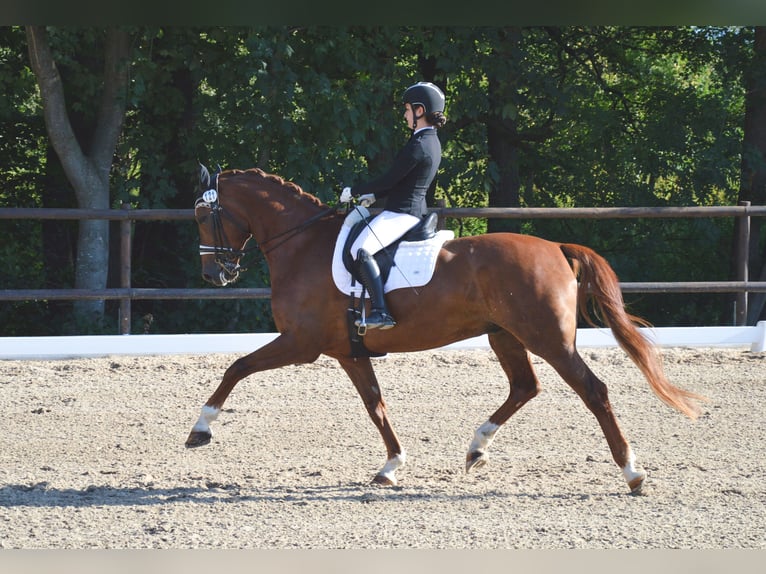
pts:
[603, 116]
[661, 128]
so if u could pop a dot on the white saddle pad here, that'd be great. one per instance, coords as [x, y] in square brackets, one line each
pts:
[414, 263]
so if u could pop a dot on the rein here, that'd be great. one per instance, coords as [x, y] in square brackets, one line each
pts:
[292, 232]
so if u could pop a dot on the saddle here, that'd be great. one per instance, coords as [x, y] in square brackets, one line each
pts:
[425, 230]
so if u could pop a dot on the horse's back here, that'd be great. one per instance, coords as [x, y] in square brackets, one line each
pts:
[522, 284]
[525, 257]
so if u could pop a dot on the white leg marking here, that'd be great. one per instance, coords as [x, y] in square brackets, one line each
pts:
[483, 437]
[209, 414]
[392, 464]
[630, 471]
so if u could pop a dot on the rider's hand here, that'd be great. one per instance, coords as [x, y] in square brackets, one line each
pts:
[367, 199]
[345, 195]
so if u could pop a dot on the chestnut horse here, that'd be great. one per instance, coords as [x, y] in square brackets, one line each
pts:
[519, 290]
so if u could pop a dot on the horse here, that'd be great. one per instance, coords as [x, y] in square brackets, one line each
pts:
[523, 292]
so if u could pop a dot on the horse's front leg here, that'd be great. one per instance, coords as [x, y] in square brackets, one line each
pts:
[282, 351]
[362, 375]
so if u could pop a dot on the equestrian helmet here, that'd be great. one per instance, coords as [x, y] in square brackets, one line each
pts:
[425, 94]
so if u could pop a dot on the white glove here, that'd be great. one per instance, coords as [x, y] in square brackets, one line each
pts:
[367, 199]
[345, 195]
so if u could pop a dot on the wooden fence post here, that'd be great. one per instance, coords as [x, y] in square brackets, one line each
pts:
[743, 247]
[126, 226]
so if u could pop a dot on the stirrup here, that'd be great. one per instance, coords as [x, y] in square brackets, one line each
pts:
[379, 319]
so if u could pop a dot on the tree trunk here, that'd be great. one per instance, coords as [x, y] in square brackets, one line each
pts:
[503, 139]
[753, 179]
[59, 237]
[504, 153]
[87, 171]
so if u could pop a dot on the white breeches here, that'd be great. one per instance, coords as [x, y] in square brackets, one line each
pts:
[382, 231]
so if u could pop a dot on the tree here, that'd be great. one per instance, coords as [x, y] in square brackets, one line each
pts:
[86, 160]
[503, 137]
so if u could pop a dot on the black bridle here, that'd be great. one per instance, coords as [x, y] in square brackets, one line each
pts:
[226, 257]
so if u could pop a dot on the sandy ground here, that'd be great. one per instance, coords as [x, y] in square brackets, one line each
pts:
[93, 457]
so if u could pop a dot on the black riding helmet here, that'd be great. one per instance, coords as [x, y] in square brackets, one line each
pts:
[427, 95]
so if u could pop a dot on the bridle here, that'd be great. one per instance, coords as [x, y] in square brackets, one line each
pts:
[226, 256]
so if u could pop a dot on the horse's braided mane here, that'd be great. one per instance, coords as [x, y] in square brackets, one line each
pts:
[280, 181]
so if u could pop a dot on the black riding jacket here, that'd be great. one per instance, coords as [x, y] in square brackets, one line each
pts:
[405, 184]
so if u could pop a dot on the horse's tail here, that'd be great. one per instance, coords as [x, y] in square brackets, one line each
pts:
[598, 281]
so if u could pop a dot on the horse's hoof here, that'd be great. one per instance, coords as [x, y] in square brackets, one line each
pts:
[198, 438]
[637, 484]
[475, 459]
[382, 480]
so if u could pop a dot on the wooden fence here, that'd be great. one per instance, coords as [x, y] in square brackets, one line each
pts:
[127, 293]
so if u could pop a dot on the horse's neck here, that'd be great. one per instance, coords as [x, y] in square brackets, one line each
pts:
[286, 218]
[305, 254]
[286, 224]
[282, 220]
[271, 208]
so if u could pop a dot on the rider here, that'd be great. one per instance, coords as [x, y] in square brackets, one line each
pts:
[404, 186]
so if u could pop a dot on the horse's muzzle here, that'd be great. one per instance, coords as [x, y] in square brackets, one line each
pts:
[216, 280]
[221, 274]
[220, 279]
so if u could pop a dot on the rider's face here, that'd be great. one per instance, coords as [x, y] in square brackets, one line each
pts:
[408, 115]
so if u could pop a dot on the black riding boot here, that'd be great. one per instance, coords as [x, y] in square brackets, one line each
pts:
[369, 273]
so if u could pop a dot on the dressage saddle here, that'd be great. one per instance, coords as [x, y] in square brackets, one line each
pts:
[425, 229]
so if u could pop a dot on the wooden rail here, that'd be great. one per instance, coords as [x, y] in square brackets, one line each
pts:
[126, 293]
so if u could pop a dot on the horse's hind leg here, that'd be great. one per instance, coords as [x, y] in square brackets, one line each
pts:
[515, 361]
[362, 375]
[594, 394]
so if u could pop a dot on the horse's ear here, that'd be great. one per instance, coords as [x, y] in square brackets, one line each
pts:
[204, 177]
